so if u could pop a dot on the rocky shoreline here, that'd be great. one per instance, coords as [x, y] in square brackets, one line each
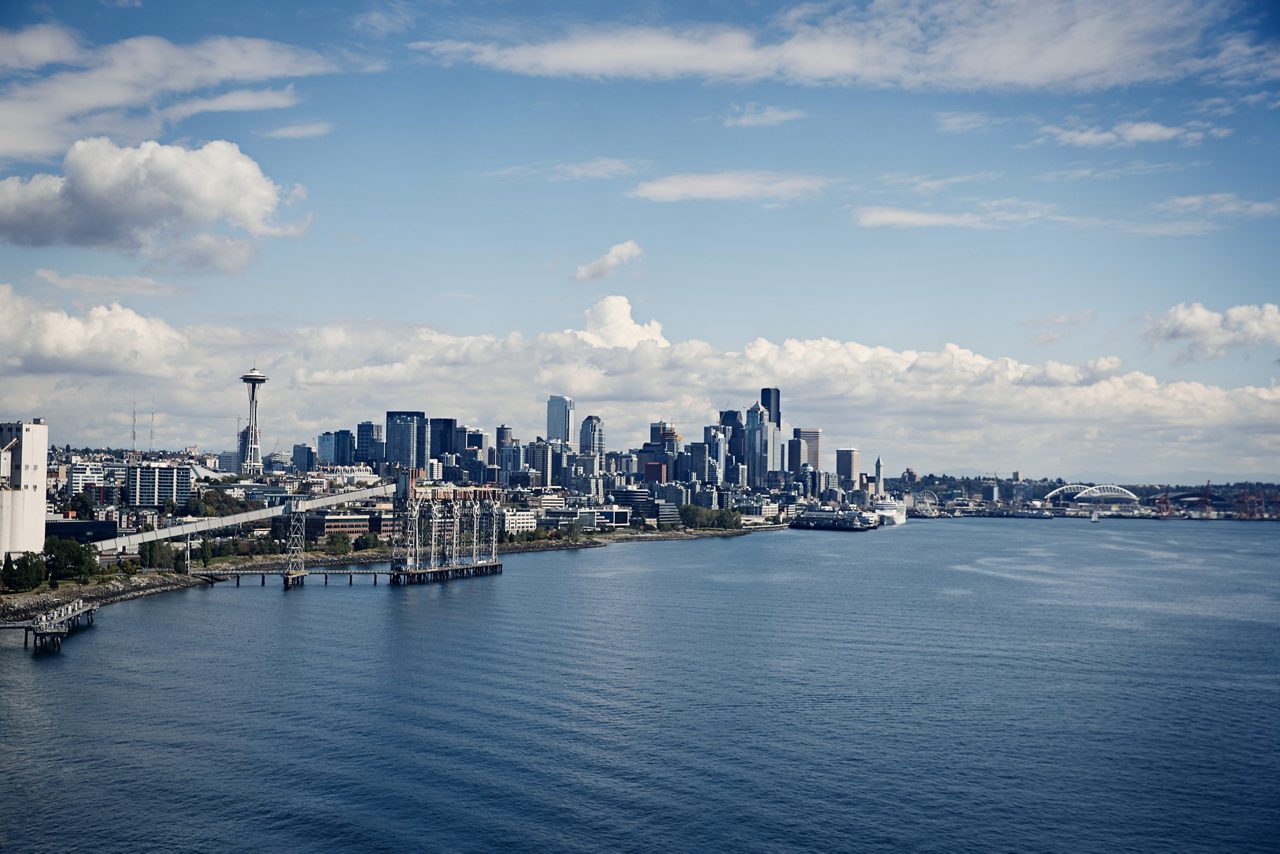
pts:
[16, 607]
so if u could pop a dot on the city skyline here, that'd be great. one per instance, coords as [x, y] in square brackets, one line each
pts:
[1042, 245]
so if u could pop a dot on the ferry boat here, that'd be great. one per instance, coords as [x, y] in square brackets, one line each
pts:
[832, 520]
[891, 511]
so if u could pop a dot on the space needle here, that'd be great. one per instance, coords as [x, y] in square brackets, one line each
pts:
[251, 442]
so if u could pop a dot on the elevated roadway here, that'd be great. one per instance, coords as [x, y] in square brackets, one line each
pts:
[129, 542]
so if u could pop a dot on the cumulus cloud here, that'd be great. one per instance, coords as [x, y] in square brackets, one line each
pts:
[936, 410]
[608, 263]
[133, 88]
[1210, 334]
[303, 131]
[760, 186]
[1129, 134]
[106, 286]
[754, 115]
[1001, 44]
[158, 201]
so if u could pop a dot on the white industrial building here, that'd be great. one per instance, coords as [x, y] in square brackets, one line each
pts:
[24, 455]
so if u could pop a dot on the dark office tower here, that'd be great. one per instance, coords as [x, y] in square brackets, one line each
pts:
[502, 437]
[368, 437]
[442, 436]
[735, 433]
[771, 399]
[344, 448]
[591, 437]
[407, 439]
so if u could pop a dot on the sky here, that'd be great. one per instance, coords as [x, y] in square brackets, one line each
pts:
[967, 237]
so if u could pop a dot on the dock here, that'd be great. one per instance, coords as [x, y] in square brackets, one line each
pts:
[48, 629]
[397, 573]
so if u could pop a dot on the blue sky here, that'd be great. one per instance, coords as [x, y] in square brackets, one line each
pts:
[966, 236]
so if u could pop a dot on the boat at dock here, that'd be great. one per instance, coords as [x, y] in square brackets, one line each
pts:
[891, 511]
[832, 520]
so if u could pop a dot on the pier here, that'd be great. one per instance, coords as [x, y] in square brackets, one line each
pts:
[48, 629]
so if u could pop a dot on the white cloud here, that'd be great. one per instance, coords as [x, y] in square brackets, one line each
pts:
[1210, 334]
[303, 131]
[1110, 172]
[731, 186]
[36, 47]
[996, 213]
[754, 115]
[935, 410]
[158, 201]
[1221, 204]
[1129, 134]
[608, 263]
[928, 184]
[386, 18]
[1004, 44]
[610, 325]
[239, 100]
[597, 167]
[126, 88]
[960, 122]
[100, 287]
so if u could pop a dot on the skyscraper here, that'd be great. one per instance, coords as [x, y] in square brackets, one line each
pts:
[847, 467]
[760, 443]
[813, 447]
[771, 399]
[559, 418]
[591, 437]
[443, 436]
[407, 439]
[503, 437]
[344, 448]
[368, 443]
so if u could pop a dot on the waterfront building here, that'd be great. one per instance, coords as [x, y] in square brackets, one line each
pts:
[591, 437]
[559, 418]
[24, 455]
[407, 439]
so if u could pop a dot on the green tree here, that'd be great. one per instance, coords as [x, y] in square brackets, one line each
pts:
[367, 540]
[68, 559]
[82, 504]
[206, 551]
[338, 544]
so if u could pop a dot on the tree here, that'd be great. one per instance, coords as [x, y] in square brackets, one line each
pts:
[82, 504]
[367, 540]
[68, 559]
[338, 544]
[206, 551]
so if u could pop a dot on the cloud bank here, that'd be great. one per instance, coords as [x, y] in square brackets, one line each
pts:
[1077, 45]
[940, 410]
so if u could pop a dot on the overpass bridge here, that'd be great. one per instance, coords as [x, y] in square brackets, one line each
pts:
[295, 506]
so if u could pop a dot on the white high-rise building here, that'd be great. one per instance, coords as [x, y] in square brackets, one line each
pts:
[559, 418]
[24, 455]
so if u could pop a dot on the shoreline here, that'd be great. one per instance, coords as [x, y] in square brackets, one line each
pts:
[16, 607]
[111, 589]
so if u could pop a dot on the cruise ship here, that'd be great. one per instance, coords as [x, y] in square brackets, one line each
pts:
[892, 511]
[818, 519]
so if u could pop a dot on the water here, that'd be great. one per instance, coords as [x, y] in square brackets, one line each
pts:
[996, 685]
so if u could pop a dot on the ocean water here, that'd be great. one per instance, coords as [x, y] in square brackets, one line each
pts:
[951, 685]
